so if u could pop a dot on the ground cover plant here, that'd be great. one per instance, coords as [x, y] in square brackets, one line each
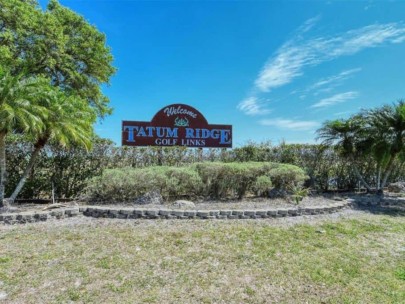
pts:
[208, 180]
[356, 257]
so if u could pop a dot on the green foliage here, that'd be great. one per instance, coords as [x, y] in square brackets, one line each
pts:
[216, 180]
[69, 168]
[298, 193]
[125, 184]
[52, 66]
[19, 112]
[19, 108]
[183, 182]
[227, 179]
[377, 133]
[56, 43]
[400, 273]
[287, 176]
[262, 185]
[69, 121]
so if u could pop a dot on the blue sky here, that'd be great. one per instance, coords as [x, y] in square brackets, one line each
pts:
[275, 70]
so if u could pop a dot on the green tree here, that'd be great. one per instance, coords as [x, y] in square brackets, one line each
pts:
[386, 129]
[378, 133]
[63, 47]
[69, 122]
[56, 43]
[19, 112]
[348, 137]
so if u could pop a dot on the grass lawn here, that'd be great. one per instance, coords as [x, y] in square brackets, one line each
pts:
[358, 258]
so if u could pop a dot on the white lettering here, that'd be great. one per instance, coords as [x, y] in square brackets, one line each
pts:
[179, 110]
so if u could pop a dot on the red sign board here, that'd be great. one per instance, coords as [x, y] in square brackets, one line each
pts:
[176, 125]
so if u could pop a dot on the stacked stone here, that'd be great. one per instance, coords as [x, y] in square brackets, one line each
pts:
[38, 216]
[145, 213]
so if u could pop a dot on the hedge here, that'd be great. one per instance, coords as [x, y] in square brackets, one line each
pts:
[209, 180]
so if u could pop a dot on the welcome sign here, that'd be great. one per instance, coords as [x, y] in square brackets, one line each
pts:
[176, 125]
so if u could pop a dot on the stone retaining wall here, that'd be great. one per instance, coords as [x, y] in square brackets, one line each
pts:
[373, 200]
[148, 213]
[38, 216]
[145, 213]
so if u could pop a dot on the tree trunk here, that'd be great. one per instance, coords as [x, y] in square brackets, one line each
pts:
[26, 172]
[361, 178]
[2, 167]
[379, 178]
[387, 172]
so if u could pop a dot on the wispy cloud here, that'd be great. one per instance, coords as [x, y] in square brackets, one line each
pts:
[335, 99]
[309, 24]
[334, 80]
[253, 106]
[296, 54]
[296, 125]
[342, 113]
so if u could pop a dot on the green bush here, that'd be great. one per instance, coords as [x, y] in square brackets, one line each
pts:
[209, 179]
[262, 185]
[298, 193]
[287, 176]
[125, 184]
[68, 171]
[223, 180]
[182, 182]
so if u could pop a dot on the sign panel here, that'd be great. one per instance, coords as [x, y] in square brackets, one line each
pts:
[176, 125]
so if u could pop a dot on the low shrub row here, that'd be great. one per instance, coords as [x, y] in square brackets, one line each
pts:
[209, 180]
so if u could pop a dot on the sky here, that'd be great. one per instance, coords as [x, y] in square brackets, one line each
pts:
[275, 70]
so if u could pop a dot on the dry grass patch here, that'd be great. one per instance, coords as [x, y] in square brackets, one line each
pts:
[245, 261]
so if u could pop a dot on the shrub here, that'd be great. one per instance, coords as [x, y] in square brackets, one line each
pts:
[298, 193]
[125, 184]
[286, 176]
[262, 185]
[182, 182]
[222, 180]
[209, 179]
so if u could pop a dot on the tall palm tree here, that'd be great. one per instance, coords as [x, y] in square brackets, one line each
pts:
[69, 122]
[19, 112]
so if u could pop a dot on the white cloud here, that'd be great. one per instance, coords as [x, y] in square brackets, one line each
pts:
[335, 99]
[309, 24]
[344, 113]
[290, 59]
[334, 80]
[296, 125]
[252, 106]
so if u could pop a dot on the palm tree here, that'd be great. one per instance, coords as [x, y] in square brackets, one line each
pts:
[70, 121]
[19, 112]
[378, 132]
[387, 127]
[349, 138]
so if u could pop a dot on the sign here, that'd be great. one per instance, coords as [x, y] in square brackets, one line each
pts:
[176, 125]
